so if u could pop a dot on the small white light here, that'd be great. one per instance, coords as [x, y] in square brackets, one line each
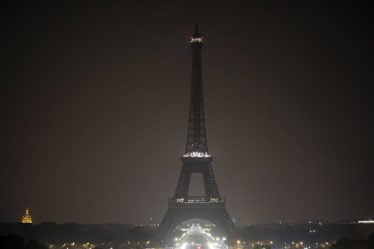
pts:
[196, 39]
[369, 221]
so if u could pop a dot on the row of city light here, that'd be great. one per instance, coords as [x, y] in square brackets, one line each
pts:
[239, 242]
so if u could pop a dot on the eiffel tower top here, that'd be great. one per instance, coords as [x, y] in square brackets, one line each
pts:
[197, 143]
[196, 37]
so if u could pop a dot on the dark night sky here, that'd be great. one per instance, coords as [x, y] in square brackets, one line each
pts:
[94, 106]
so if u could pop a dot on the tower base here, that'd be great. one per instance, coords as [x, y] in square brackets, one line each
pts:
[178, 212]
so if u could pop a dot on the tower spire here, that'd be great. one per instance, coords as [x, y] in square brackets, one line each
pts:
[197, 144]
[196, 24]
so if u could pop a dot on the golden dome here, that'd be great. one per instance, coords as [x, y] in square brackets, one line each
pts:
[26, 218]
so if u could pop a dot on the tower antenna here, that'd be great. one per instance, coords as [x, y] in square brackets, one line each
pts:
[196, 23]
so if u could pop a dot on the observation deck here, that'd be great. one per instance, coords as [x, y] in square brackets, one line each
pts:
[196, 201]
[197, 156]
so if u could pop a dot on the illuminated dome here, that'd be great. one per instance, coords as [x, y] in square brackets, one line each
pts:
[26, 218]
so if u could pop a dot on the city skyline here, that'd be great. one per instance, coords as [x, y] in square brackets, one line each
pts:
[95, 103]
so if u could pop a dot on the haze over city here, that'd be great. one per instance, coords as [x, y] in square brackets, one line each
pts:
[95, 105]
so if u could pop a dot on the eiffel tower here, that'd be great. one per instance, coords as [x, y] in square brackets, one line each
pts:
[196, 160]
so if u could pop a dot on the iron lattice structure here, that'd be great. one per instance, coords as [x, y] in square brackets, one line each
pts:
[196, 160]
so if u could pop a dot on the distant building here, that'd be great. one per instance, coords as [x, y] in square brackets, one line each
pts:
[26, 218]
